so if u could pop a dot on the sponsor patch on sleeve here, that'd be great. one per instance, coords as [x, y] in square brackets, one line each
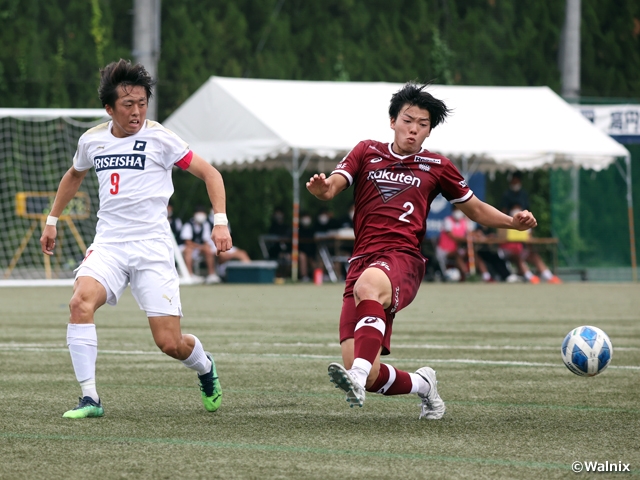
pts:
[428, 160]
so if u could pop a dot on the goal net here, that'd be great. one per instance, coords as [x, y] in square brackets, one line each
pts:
[36, 149]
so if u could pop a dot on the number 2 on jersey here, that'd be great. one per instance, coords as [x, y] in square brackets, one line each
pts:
[115, 184]
[403, 217]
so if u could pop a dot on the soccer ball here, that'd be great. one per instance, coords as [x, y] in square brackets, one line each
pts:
[586, 351]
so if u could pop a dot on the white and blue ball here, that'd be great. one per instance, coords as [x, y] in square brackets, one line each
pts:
[586, 351]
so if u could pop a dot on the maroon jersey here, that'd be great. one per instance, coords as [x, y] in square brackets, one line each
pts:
[393, 194]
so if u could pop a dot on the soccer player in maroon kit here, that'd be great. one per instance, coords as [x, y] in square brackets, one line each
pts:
[394, 187]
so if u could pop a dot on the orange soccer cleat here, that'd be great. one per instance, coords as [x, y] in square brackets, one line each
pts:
[555, 280]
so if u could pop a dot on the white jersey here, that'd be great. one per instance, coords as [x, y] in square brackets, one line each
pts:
[134, 174]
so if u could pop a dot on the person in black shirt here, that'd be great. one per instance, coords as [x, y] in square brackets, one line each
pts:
[195, 234]
[515, 195]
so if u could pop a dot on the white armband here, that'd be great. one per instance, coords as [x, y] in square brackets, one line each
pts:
[220, 219]
[51, 220]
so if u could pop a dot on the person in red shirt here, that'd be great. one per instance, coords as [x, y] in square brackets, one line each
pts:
[395, 184]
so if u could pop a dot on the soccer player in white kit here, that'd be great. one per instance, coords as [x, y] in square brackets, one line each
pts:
[133, 158]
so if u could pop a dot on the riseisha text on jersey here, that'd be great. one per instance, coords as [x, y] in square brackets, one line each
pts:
[110, 162]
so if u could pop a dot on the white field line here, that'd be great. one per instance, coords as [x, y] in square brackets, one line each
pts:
[15, 347]
[426, 346]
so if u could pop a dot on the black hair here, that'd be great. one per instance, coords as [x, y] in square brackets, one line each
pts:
[413, 94]
[124, 73]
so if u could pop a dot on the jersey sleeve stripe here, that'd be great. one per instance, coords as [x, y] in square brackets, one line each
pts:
[345, 174]
[185, 161]
[463, 199]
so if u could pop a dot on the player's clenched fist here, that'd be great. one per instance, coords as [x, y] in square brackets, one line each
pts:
[524, 220]
[221, 238]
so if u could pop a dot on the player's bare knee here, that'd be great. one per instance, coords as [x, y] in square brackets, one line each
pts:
[80, 309]
[362, 291]
[367, 291]
[169, 347]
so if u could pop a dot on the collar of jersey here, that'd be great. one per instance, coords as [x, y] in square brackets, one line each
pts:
[401, 157]
[110, 126]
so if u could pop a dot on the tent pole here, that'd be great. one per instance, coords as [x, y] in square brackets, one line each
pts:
[632, 237]
[465, 167]
[295, 173]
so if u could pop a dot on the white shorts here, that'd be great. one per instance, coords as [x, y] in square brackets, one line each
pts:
[147, 265]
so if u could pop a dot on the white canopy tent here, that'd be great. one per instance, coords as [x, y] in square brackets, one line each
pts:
[236, 122]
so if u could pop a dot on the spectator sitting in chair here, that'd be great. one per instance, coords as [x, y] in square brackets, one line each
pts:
[325, 221]
[281, 250]
[452, 244]
[521, 254]
[515, 194]
[279, 228]
[196, 234]
[496, 263]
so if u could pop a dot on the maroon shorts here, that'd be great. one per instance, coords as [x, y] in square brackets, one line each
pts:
[405, 271]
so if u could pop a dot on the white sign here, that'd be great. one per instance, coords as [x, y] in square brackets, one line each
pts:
[613, 119]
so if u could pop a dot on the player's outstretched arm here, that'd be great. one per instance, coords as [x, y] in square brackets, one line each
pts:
[215, 188]
[67, 189]
[325, 188]
[489, 216]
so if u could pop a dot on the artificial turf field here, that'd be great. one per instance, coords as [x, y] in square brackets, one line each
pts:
[513, 409]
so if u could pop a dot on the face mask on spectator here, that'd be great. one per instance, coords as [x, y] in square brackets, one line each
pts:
[305, 221]
[323, 219]
[516, 187]
[200, 217]
[457, 214]
[514, 211]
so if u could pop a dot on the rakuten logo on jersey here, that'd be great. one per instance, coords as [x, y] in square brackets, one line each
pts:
[394, 177]
[393, 181]
[112, 162]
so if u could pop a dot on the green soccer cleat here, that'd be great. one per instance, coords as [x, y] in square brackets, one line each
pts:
[210, 388]
[86, 408]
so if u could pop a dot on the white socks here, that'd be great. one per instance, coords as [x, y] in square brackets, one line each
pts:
[83, 347]
[419, 385]
[89, 389]
[198, 360]
[360, 370]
